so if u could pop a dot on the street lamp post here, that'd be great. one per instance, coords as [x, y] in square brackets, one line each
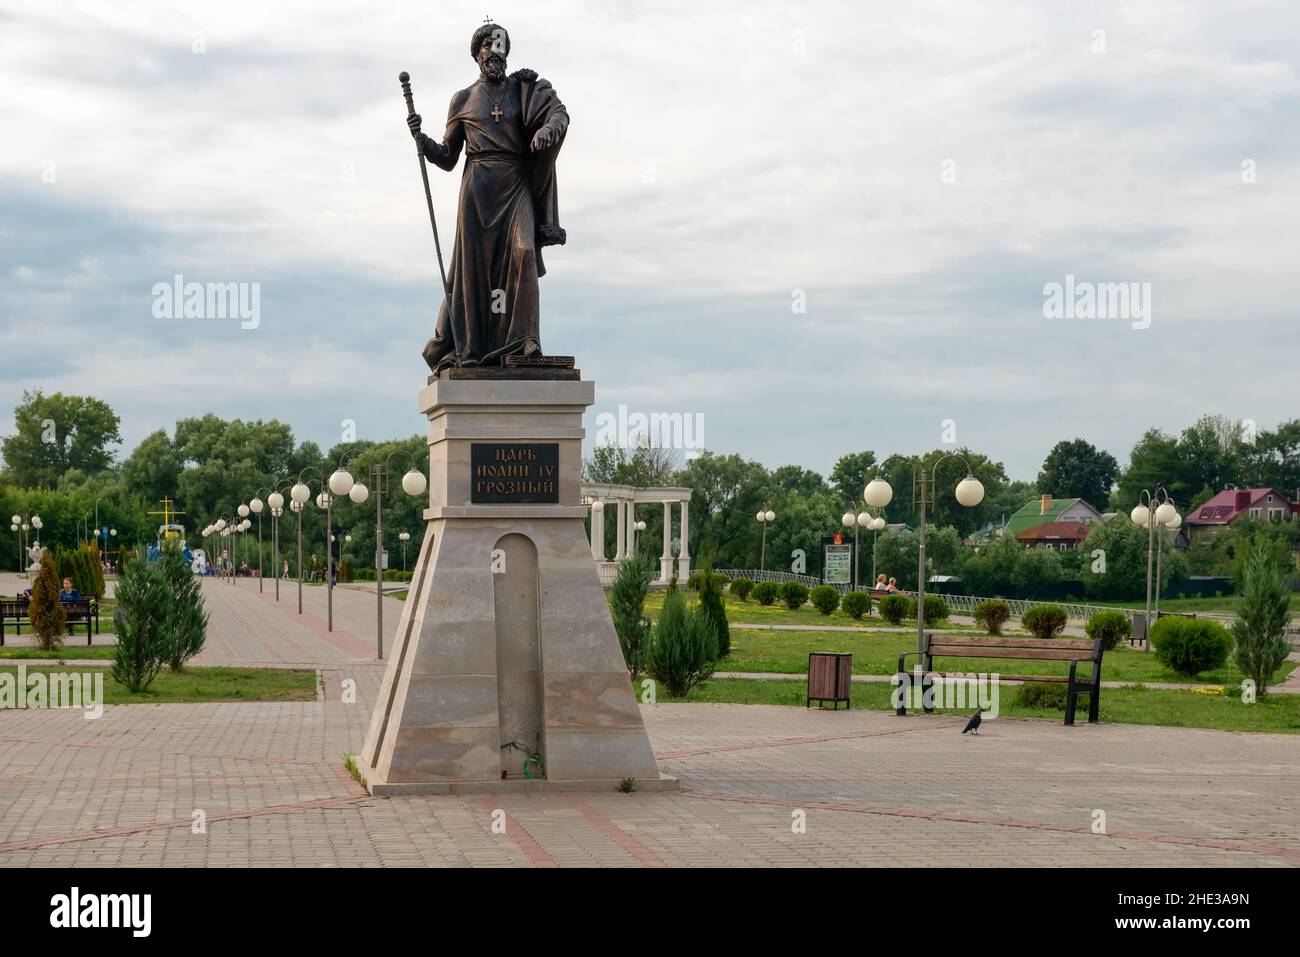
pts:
[256, 505]
[969, 493]
[413, 483]
[296, 507]
[405, 537]
[765, 518]
[223, 534]
[1171, 525]
[1157, 510]
[860, 520]
[876, 525]
[276, 501]
[299, 494]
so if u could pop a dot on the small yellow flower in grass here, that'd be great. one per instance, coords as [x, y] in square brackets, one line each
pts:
[1209, 689]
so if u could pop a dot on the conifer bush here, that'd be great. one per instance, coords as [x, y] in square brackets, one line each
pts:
[684, 648]
[715, 610]
[49, 620]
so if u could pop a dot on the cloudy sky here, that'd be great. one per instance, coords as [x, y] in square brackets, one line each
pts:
[820, 226]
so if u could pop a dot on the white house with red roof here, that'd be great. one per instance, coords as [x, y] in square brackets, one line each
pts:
[1234, 503]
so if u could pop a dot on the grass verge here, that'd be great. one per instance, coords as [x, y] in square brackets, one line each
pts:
[1278, 713]
[194, 685]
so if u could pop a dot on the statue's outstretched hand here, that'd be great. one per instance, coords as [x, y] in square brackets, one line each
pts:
[543, 138]
[413, 122]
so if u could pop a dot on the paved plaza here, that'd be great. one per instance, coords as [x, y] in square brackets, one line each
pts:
[760, 785]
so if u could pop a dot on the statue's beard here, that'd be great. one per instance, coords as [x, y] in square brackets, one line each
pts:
[493, 68]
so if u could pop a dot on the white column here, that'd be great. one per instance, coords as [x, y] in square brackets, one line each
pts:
[597, 532]
[631, 528]
[620, 548]
[684, 555]
[666, 559]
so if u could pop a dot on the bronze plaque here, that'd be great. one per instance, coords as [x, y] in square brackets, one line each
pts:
[514, 473]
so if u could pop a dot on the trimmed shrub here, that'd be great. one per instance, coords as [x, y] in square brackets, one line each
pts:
[1111, 627]
[715, 610]
[765, 593]
[741, 588]
[1044, 621]
[627, 608]
[794, 594]
[684, 649]
[1189, 646]
[1045, 694]
[991, 615]
[697, 577]
[856, 604]
[936, 609]
[825, 598]
[894, 608]
[49, 620]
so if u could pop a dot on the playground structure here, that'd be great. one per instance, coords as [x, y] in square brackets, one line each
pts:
[170, 531]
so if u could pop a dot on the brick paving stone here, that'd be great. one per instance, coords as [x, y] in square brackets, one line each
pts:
[873, 789]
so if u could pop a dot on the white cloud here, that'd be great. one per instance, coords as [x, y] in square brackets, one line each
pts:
[789, 148]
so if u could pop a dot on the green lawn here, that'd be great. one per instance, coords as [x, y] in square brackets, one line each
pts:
[204, 684]
[1157, 706]
[70, 650]
[1224, 605]
[786, 652]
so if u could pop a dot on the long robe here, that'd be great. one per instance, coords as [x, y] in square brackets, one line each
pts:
[507, 193]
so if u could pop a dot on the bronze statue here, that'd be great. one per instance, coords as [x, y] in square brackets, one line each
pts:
[511, 128]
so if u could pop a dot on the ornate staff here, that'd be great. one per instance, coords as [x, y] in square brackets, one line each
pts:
[405, 79]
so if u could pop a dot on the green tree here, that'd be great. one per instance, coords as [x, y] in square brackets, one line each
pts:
[1154, 460]
[1211, 452]
[56, 433]
[1115, 561]
[48, 618]
[627, 607]
[715, 610]
[684, 649]
[187, 620]
[728, 492]
[1036, 570]
[851, 474]
[899, 471]
[988, 570]
[140, 621]
[798, 480]
[1273, 459]
[153, 469]
[1078, 469]
[1263, 614]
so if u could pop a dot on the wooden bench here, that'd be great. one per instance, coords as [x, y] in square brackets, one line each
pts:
[1025, 649]
[19, 611]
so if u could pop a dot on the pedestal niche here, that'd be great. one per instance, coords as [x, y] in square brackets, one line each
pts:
[505, 645]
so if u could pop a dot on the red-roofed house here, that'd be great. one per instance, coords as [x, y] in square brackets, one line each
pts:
[1058, 535]
[1231, 504]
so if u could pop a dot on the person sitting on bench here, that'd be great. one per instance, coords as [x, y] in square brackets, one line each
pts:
[69, 593]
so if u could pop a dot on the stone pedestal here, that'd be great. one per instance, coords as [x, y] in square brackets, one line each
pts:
[505, 636]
